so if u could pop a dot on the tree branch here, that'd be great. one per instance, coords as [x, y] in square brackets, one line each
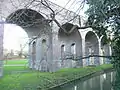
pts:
[84, 27]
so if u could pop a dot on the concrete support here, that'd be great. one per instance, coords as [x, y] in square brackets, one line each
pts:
[29, 53]
[110, 50]
[100, 53]
[1, 47]
[57, 63]
[83, 52]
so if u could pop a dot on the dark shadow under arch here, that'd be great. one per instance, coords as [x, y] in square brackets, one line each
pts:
[67, 27]
[25, 18]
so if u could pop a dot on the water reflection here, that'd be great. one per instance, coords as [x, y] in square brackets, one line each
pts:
[104, 75]
[75, 88]
[102, 82]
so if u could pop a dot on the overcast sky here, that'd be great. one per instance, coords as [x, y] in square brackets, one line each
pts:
[15, 35]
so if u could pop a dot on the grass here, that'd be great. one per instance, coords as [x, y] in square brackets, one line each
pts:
[12, 62]
[33, 79]
[11, 69]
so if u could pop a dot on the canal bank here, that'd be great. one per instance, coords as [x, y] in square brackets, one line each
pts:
[16, 78]
[88, 73]
[100, 82]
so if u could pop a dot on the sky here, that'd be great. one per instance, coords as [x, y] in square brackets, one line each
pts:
[15, 35]
[72, 5]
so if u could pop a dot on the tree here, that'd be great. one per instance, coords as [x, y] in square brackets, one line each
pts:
[104, 17]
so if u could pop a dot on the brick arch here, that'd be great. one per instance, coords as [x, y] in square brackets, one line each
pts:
[105, 49]
[23, 17]
[69, 39]
[91, 47]
[30, 20]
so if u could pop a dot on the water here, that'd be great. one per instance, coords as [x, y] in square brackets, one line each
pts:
[101, 82]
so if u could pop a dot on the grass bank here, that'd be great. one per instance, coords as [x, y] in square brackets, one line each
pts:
[34, 80]
[12, 62]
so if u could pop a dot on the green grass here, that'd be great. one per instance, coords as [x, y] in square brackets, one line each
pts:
[11, 69]
[33, 79]
[12, 62]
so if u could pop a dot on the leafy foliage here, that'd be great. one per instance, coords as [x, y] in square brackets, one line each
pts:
[105, 14]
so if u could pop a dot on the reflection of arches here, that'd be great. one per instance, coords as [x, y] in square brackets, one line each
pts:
[105, 49]
[91, 47]
[33, 54]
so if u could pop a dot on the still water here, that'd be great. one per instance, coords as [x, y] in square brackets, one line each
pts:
[101, 82]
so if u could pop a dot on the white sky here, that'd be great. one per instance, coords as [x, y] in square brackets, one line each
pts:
[15, 35]
[72, 5]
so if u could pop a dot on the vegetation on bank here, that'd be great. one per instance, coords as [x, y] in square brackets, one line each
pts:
[22, 78]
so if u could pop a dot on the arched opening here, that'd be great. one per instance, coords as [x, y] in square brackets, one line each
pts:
[62, 52]
[91, 48]
[73, 49]
[68, 39]
[15, 42]
[44, 49]
[105, 50]
[30, 20]
[35, 25]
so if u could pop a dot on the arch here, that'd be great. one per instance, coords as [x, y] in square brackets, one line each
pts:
[34, 25]
[105, 49]
[68, 39]
[63, 48]
[73, 49]
[30, 20]
[91, 48]
[62, 51]
[16, 34]
[44, 49]
[25, 18]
